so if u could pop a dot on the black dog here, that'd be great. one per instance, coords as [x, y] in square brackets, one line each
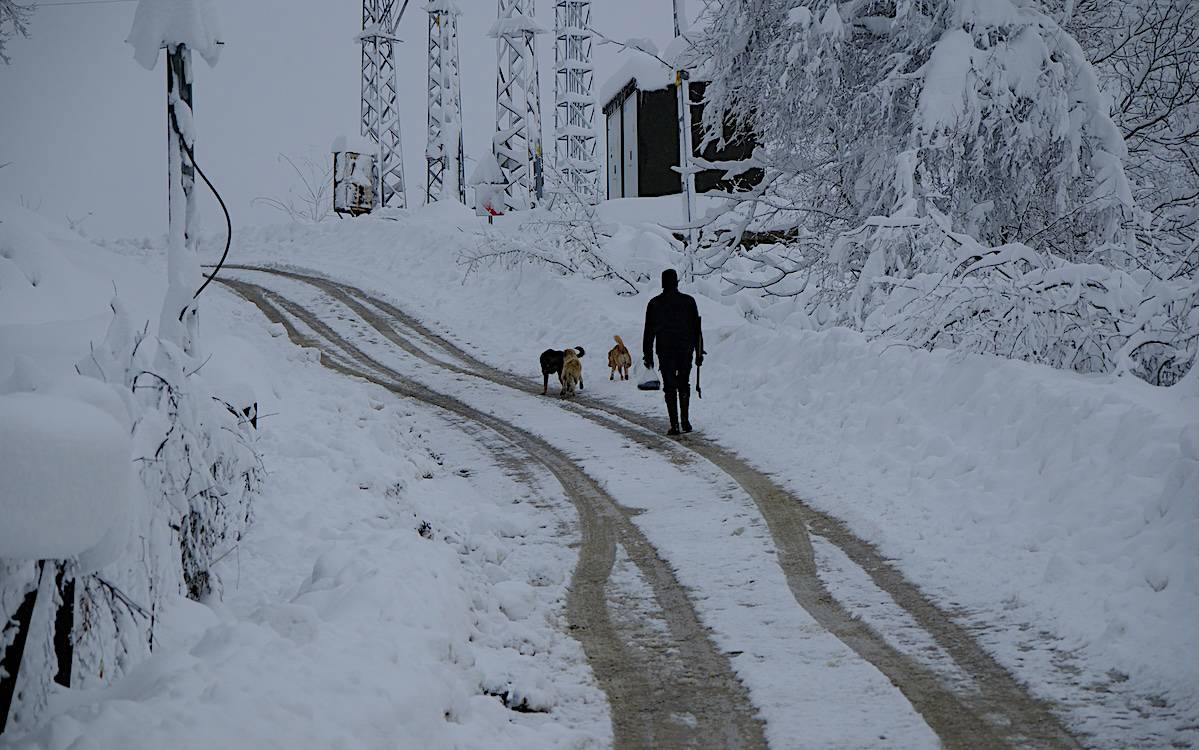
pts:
[551, 364]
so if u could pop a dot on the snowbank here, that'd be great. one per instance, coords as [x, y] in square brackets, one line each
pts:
[116, 455]
[66, 459]
[395, 585]
[65, 476]
[55, 290]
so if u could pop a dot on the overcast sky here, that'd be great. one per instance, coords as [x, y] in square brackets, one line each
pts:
[84, 125]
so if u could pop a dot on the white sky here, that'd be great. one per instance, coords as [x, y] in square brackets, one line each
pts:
[84, 124]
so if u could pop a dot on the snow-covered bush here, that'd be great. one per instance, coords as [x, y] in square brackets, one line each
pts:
[310, 196]
[137, 409]
[948, 173]
[196, 455]
[1012, 301]
[569, 237]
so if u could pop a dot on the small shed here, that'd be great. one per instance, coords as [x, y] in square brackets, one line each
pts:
[643, 141]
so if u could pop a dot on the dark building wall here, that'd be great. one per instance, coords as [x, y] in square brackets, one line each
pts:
[657, 143]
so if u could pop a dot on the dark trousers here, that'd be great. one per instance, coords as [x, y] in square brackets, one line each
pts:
[676, 372]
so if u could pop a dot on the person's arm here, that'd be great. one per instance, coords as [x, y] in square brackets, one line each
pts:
[699, 335]
[647, 338]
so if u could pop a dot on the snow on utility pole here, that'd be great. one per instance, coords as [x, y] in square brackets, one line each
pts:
[574, 105]
[683, 85]
[180, 27]
[380, 108]
[443, 150]
[517, 141]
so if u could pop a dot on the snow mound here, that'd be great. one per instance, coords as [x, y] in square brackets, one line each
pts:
[65, 476]
[55, 289]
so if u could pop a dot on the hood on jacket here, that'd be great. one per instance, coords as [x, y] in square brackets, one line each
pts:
[670, 279]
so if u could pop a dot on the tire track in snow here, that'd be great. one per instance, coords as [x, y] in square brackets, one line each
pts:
[646, 699]
[998, 713]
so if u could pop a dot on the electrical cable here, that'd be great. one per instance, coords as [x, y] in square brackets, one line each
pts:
[228, 222]
[81, 2]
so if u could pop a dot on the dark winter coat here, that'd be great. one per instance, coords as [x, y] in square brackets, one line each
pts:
[672, 325]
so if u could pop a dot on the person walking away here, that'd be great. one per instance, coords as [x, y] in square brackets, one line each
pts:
[672, 328]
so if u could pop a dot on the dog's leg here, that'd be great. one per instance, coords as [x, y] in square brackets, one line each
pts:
[612, 375]
[545, 383]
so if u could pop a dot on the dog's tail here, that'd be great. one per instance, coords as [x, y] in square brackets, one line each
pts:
[618, 341]
[579, 349]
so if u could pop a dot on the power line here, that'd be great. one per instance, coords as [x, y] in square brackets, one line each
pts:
[81, 2]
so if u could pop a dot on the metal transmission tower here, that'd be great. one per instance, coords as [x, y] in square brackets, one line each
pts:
[517, 143]
[574, 106]
[380, 110]
[443, 150]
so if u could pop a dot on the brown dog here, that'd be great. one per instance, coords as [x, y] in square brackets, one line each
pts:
[572, 372]
[619, 360]
[551, 364]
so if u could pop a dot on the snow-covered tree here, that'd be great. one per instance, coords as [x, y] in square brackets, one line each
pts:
[1010, 131]
[947, 172]
[1146, 53]
[14, 19]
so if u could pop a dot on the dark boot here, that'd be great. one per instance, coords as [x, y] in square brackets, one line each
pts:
[684, 403]
[672, 408]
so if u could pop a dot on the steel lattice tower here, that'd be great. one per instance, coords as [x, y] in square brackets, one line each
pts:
[380, 109]
[443, 150]
[574, 106]
[517, 143]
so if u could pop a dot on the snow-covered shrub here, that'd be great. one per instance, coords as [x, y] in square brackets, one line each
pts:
[1014, 302]
[197, 458]
[569, 237]
[129, 548]
[309, 198]
[910, 277]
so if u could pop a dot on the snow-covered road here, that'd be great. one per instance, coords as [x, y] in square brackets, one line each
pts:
[727, 557]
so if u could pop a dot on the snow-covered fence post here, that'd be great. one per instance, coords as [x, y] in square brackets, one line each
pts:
[61, 520]
[179, 27]
[15, 636]
[12, 639]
